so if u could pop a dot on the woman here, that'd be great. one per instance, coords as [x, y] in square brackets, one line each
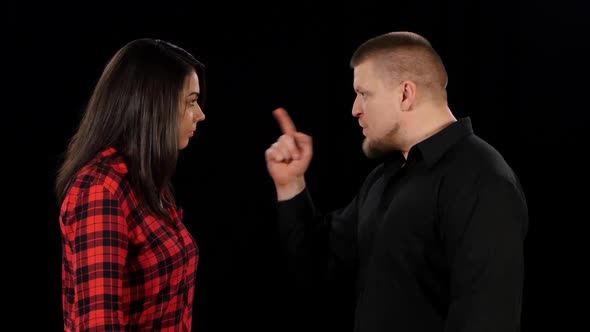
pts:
[129, 263]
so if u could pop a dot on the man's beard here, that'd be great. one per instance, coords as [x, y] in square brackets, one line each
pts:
[382, 146]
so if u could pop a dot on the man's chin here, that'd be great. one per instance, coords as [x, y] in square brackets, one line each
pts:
[374, 150]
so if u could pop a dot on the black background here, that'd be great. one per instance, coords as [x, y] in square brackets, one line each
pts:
[520, 70]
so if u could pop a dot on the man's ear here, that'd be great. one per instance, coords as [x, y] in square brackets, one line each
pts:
[408, 95]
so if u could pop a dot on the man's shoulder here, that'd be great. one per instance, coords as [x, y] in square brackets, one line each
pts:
[475, 159]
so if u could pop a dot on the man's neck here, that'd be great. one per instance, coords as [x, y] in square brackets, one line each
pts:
[427, 125]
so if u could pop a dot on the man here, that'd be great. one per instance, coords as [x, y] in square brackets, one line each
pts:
[436, 232]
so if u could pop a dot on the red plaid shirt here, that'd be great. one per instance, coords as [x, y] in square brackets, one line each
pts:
[123, 269]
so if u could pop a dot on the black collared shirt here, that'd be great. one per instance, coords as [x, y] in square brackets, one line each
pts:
[436, 240]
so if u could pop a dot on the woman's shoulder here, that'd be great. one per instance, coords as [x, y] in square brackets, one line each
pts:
[107, 170]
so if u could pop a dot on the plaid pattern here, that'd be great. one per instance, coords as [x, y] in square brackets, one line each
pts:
[122, 269]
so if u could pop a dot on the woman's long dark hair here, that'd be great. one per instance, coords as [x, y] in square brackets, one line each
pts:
[134, 108]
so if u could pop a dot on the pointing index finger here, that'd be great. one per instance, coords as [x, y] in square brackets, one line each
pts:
[284, 120]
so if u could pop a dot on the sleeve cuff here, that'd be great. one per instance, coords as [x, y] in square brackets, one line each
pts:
[299, 208]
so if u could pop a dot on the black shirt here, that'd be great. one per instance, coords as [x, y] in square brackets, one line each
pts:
[436, 240]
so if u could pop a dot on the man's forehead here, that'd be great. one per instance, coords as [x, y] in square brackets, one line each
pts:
[361, 72]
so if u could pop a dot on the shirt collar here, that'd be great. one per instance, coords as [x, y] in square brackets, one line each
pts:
[114, 159]
[435, 146]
